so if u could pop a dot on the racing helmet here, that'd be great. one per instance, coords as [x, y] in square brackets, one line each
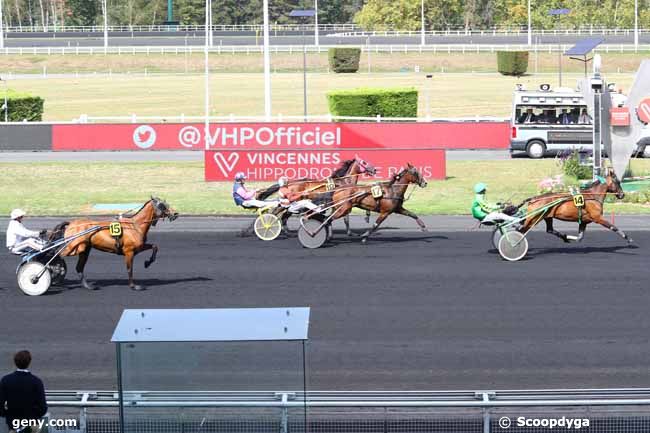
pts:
[283, 181]
[17, 213]
[240, 176]
[480, 188]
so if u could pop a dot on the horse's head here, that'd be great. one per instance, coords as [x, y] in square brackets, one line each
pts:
[162, 210]
[411, 175]
[614, 185]
[363, 166]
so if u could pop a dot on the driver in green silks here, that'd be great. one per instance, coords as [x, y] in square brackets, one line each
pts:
[485, 211]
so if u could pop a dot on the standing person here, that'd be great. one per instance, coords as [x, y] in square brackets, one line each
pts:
[19, 237]
[565, 117]
[22, 395]
[528, 117]
[584, 118]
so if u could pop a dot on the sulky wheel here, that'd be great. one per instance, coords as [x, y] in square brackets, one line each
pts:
[58, 269]
[497, 233]
[312, 234]
[30, 282]
[513, 246]
[267, 227]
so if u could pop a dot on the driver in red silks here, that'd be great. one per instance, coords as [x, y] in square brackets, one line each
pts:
[294, 200]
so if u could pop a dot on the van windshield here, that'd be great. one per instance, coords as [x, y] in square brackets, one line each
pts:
[552, 115]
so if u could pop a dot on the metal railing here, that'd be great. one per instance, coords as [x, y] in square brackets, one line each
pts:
[491, 32]
[342, 27]
[290, 49]
[233, 118]
[162, 28]
[607, 410]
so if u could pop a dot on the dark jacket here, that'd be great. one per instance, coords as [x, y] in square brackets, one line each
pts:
[22, 396]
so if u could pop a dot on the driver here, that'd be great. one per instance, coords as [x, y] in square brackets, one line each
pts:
[21, 239]
[246, 197]
[485, 211]
[294, 200]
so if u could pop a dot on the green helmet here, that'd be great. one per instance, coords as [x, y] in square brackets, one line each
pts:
[480, 187]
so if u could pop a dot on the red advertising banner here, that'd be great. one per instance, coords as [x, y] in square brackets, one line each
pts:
[271, 165]
[282, 136]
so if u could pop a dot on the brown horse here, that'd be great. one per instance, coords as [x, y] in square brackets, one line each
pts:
[347, 174]
[132, 241]
[566, 210]
[391, 199]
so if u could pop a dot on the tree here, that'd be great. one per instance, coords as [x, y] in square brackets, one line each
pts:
[191, 12]
[81, 12]
[405, 14]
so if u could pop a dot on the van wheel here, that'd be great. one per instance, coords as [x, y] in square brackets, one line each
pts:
[536, 149]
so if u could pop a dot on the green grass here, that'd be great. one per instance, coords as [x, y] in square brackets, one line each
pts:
[450, 95]
[72, 188]
[285, 62]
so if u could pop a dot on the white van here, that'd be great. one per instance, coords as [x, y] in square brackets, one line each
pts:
[549, 121]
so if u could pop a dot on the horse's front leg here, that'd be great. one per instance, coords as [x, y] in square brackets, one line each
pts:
[550, 230]
[603, 222]
[378, 221]
[154, 254]
[128, 259]
[410, 214]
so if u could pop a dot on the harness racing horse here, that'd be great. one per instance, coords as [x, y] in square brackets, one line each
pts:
[566, 210]
[387, 200]
[347, 174]
[131, 240]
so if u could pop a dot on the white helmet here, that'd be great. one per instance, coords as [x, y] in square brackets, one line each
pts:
[240, 176]
[17, 213]
[283, 181]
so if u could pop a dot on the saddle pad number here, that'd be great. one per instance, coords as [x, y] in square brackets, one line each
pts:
[579, 200]
[115, 229]
[376, 191]
[330, 184]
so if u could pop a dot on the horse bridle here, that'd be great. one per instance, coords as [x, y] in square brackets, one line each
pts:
[418, 177]
[161, 211]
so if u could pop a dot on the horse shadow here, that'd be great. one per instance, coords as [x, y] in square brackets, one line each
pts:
[534, 252]
[100, 284]
[379, 237]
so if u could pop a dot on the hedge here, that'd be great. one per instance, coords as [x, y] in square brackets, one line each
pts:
[21, 107]
[512, 62]
[344, 60]
[399, 102]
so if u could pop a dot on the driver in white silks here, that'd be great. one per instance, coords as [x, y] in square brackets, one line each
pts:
[19, 237]
[294, 200]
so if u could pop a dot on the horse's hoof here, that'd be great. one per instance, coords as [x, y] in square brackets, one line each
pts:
[364, 240]
[89, 286]
[424, 230]
[137, 288]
